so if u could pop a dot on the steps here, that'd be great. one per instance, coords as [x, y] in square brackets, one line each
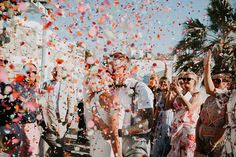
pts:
[73, 147]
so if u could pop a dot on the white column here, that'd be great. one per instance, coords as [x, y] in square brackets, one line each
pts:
[44, 52]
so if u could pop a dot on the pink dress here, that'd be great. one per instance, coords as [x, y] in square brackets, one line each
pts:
[183, 142]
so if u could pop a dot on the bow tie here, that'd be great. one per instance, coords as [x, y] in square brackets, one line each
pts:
[119, 85]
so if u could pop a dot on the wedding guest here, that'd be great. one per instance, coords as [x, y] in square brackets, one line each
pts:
[214, 133]
[187, 107]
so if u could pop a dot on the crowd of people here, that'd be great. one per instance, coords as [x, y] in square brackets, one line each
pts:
[124, 117]
[164, 118]
[30, 113]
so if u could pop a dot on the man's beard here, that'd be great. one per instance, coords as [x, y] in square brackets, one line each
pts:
[119, 80]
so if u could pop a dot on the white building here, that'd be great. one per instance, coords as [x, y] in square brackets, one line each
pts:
[27, 45]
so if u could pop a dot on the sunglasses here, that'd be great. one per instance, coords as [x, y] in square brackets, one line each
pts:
[218, 80]
[188, 79]
[32, 72]
[4, 61]
[163, 82]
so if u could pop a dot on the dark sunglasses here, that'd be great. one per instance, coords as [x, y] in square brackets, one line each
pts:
[34, 72]
[188, 79]
[163, 83]
[4, 61]
[218, 80]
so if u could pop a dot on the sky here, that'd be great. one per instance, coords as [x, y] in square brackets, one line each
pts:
[105, 26]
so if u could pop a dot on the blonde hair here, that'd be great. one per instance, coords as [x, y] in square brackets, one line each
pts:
[181, 74]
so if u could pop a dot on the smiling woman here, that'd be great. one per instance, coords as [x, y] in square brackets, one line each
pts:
[187, 106]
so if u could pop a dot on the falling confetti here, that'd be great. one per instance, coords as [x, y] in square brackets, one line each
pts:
[47, 25]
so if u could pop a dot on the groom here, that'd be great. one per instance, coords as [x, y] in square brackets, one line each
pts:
[136, 101]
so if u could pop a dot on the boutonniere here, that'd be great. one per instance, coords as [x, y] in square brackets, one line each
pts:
[131, 92]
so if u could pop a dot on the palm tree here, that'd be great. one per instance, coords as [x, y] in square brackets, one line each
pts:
[219, 36]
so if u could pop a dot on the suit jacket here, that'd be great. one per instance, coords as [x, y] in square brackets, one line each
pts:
[66, 105]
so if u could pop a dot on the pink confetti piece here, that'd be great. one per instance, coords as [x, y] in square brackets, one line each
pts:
[59, 12]
[3, 76]
[47, 25]
[23, 6]
[81, 8]
[8, 89]
[16, 141]
[16, 120]
[90, 124]
[32, 106]
[90, 60]
[93, 31]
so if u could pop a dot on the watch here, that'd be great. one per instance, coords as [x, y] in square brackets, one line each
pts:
[120, 132]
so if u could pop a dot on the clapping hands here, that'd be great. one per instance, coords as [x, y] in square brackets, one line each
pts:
[176, 88]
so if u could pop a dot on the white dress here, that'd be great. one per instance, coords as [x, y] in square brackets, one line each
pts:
[99, 147]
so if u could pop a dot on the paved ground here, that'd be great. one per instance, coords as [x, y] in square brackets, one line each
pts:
[74, 148]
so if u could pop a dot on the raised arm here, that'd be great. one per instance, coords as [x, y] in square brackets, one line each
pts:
[110, 105]
[170, 97]
[115, 141]
[166, 70]
[193, 103]
[208, 83]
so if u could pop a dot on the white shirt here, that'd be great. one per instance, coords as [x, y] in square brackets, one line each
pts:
[144, 98]
[56, 94]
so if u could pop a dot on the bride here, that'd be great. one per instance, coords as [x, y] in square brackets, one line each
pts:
[102, 114]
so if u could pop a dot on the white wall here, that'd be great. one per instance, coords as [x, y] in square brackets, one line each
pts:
[146, 68]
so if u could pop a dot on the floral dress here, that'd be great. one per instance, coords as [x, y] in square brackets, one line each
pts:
[183, 142]
[213, 119]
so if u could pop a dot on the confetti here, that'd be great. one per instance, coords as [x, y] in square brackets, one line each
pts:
[23, 6]
[47, 25]
[90, 124]
[59, 61]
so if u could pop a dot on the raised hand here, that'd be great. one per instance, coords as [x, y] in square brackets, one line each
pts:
[209, 85]
[176, 88]
[207, 59]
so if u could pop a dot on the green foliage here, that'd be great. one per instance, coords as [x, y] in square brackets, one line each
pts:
[219, 36]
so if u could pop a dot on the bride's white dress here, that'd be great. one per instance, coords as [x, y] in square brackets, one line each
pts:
[99, 147]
